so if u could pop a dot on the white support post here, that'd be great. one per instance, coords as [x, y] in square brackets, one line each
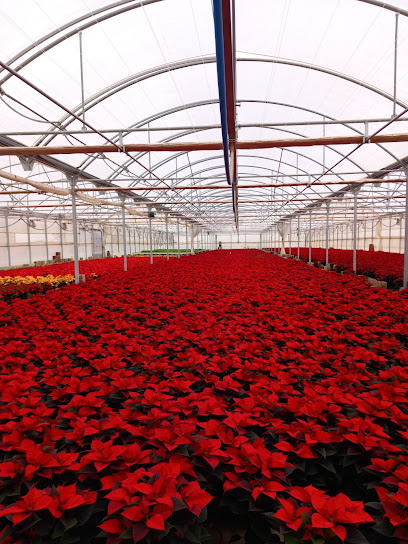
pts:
[310, 236]
[355, 191]
[124, 238]
[29, 239]
[405, 275]
[8, 239]
[178, 238]
[327, 231]
[150, 236]
[186, 238]
[298, 238]
[290, 237]
[46, 241]
[167, 237]
[72, 181]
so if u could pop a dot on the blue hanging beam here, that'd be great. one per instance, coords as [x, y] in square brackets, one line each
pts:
[228, 29]
[219, 51]
[224, 27]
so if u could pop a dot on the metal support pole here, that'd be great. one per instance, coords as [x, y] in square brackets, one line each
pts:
[365, 234]
[8, 239]
[186, 238]
[150, 238]
[298, 237]
[327, 231]
[167, 237]
[400, 235]
[29, 238]
[86, 242]
[178, 238]
[117, 235]
[395, 66]
[389, 236]
[310, 236]
[124, 239]
[82, 79]
[290, 237]
[405, 276]
[355, 191]
[46, 241]
[74, 229]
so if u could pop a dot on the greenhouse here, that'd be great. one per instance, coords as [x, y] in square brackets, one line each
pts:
[204, 272]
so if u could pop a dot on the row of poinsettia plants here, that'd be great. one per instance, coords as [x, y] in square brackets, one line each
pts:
[380, 265]
[229, 396]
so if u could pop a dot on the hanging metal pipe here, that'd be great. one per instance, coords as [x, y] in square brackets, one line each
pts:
[8, 239]
[75, 230]
[124, 239]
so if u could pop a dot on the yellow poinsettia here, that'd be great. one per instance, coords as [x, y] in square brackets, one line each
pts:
[27, 280]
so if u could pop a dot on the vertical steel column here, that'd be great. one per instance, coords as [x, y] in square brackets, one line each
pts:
[178, 238]
[365, 235]
[74, 228]
[298, 238]
[150, 238]
[405, 276]
[86, 242]
[61, 240]
[327, 231]
[310, 236]
[124, 238]
[355, 191]
[134, 240]
[8, 239]
[389, 237]
[117, 234]
[186, 238]
[46, 241]
[167, 237]
[29, 238]
[290, 237]
[395, 65]
[400, 235]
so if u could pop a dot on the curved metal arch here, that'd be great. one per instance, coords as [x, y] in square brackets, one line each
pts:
[118, 86]
[43, 39]
[185, 133]
[219, 157]
[71, 33]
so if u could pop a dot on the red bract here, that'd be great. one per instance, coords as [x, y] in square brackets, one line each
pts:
[153, 403]
[31, 502]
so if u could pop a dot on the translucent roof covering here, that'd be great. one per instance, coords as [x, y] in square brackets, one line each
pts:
[304, 69]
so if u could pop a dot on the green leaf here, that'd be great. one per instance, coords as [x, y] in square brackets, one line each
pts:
[292, 539]
[58, 531]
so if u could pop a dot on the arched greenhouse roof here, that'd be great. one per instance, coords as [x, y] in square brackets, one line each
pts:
[132, 73]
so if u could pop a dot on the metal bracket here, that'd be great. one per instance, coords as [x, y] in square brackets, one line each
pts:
[27, 162]
[72, 180]
[121, 147]
[366, 138]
